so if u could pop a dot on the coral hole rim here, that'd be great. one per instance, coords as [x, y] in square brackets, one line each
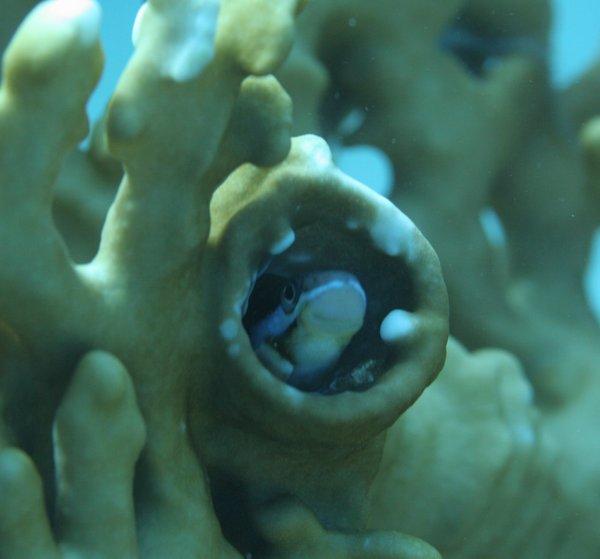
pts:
[289, 198]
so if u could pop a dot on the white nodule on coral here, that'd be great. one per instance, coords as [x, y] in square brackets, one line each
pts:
[367, 164]
[397, 325]
[492, 227]
[317, 150]
[183, 35]
[233, 350]
[241, 305]
[524, 434]
[284, 243]
[352, 224]
[137, 24]
[393, 233]
[295, 396]
[229, 328]
[85, 14]
[528, 394]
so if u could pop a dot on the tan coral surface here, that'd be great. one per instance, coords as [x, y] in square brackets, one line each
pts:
[497, 458]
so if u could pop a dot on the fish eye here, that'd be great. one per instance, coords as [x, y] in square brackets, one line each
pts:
[289, 297]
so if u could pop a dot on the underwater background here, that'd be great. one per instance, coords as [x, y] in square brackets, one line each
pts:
[575, 45]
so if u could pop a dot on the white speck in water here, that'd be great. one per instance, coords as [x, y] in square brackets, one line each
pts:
[284, 243]
[229, 328]
[352, 22]
[397, 325]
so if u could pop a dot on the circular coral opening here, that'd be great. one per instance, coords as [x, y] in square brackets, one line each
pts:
[324, 314]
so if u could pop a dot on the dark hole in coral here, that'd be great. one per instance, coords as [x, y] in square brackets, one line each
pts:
[480, 51]
[472, 51]
[386, 281]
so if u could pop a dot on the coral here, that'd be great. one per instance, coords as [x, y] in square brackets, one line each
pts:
[97, 423]
[484, 468]
[237, 343]
[457, 96]
[174, 270]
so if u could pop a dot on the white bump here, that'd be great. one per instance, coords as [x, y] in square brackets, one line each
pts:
[184, 35]
[527, 393]
[397, 325]
[317, 150]
[351, 122]
[137, 24]
[229, 328]
[352, 224]
[492, 227]
[393, 233]
[284, 243]
[86, 14]
[241, 305]
[524, 434]
[369, 165]
[233, 350]
[296, 397]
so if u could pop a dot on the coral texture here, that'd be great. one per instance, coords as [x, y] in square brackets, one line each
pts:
[215, 344]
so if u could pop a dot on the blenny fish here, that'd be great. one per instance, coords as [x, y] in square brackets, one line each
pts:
[300, 326]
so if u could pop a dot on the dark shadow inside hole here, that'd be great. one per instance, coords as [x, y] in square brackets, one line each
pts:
[480, 50]
[387, 282]
[233, 511]
[469, 49]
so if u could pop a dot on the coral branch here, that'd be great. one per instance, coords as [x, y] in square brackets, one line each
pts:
[24, 528]
[293, 532]
[99, 433]
[45, 87]
[590, 139]
[98, 423]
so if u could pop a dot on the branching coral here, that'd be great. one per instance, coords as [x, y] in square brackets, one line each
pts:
[457, 96]
[97, 423]
[165, 291]
[280, 322]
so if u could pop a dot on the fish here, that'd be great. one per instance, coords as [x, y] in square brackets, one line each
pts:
[303, 336]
